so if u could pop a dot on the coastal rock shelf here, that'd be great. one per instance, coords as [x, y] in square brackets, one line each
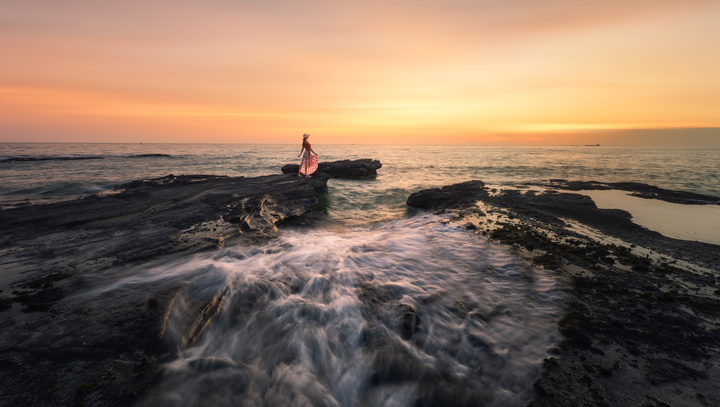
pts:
[113, 344]
[636, 188]
[454, 196]
[643, 309]
[147, 219]
[348, 169]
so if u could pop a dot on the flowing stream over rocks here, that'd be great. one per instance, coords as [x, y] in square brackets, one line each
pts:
[411, 312]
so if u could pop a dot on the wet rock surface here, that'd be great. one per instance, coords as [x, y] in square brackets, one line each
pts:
[454, 196]
[638, 189]
[348, 169]
[146, 219]
[58, 347]
[643, 310]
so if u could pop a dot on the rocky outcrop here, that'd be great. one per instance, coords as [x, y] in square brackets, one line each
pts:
[111, 346]
[150, 218]
[642, 309]
[347, 169]
[551, 207]
[457, 196]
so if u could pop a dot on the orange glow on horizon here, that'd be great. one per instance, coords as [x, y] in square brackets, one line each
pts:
[401, 73]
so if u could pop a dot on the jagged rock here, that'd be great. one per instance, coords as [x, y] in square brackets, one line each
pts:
[348, 169]
[456, 196]
[409, 321]
[206, 316]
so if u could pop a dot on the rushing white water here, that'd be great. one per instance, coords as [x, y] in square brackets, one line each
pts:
[407, 313]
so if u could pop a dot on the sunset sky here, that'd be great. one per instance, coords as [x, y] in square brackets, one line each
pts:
[426, 71]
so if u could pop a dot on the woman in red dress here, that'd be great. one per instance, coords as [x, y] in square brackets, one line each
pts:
[309, 158]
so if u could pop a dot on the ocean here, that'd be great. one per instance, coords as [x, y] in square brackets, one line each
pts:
[49, 172]
[312, 316]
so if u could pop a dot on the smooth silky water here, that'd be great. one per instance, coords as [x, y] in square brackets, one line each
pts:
[403, 313]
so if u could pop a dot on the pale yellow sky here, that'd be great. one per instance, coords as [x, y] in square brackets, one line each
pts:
[423, 71]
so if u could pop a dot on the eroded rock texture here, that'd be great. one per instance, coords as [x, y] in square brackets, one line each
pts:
[61, 348]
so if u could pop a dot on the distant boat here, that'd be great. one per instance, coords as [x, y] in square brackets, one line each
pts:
[592, 145]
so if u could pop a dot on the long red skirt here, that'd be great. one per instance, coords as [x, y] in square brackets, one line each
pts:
[309, 163]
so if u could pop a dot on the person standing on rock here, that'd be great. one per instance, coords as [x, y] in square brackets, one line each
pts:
[309, 158]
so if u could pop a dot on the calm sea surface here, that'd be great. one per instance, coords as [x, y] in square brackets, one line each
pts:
[47, 172]
[318, 316]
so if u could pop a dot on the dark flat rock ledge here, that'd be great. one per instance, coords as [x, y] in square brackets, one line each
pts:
[456, 196]
[641, 323]
[550, 206]
[347, 169]
[638, 189]
[149, 218]
[553, 206]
